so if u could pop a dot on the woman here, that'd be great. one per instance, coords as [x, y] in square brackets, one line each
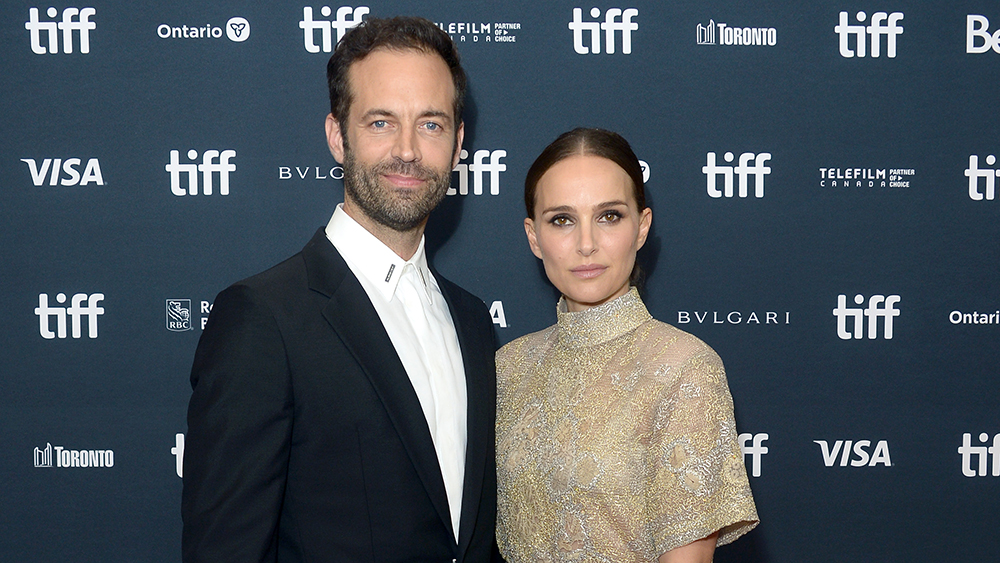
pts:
[615, 432]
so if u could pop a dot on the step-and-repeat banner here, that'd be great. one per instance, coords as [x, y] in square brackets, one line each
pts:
[823, 177]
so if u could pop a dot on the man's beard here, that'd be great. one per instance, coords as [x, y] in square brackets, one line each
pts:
[400, 210]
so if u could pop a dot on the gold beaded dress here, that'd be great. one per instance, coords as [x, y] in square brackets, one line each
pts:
[615, 440]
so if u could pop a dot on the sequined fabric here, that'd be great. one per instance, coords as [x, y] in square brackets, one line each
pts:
[615, 440]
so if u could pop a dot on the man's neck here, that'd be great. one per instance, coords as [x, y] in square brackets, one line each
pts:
[403, 243]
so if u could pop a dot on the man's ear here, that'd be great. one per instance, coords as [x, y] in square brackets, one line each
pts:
[335, 138]
[459, 137]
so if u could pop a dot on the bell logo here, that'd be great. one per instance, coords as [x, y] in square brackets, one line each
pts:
[73, 19]
[978, 27]
[75, 311]
[881, 24]
[208, 167]
[755, 451]
[611, 26]
[861, 457]
[744, 170]
[64, 173]
[478, 167]
[878, 306]
[309, 26]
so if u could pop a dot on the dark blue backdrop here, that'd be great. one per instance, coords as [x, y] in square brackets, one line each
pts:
[881, 445]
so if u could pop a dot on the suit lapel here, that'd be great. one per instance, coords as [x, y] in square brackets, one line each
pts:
[480, 419]
[351, 314]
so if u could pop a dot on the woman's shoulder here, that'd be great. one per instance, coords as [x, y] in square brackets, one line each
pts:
[532, 341]
[664, 338]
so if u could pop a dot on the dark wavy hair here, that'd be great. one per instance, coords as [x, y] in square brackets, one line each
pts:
[398, 33]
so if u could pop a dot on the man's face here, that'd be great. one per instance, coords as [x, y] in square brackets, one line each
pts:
[400, 140]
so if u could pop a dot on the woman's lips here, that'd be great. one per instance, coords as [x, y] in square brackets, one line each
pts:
[588, 271]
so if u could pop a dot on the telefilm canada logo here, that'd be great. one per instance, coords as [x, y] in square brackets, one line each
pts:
[587, 34]
[720, 33]
[64, 172]
[879, 306]
[984, 454]
[750, 164]
[481, 32]
[236, 29]
[312, 26]
[978, 38]
[860, 40]
[45, 35]
[862, 177]
[182, 317]
[987, 188]
[212, 162]
[59, 456]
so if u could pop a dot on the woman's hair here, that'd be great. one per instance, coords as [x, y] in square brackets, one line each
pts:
[591, 142]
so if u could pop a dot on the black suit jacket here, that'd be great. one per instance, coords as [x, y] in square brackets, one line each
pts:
[306, 441]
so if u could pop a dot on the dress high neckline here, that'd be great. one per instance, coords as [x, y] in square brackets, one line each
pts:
[600, 324]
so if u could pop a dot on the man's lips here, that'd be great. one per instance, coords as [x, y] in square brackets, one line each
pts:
[588, 271]
[404, 181]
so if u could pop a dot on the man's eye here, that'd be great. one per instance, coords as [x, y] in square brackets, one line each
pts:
[379, 124]
[431, 126]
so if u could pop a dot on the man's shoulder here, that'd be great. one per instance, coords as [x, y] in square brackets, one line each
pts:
[314, 265]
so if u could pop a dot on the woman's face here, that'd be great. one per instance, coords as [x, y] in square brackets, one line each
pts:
[586, 229]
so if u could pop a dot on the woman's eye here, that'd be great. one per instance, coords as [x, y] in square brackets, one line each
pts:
[560, 220]
[610, 216]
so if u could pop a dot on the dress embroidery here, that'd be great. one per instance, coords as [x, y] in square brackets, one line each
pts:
[615, 440]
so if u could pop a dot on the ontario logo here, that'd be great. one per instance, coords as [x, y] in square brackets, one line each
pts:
[237, 29]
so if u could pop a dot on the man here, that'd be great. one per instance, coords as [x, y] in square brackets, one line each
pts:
[343, 404]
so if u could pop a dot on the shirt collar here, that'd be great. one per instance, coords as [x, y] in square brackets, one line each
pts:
[369, 257]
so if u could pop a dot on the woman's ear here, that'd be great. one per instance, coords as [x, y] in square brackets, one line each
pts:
[529, 229]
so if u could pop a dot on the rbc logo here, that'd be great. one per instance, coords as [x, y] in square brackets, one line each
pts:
[72, 177]
[76, 311]
[610, 25]
[68, 25]
[878, 306]
[974, 173]
[879, 456]
[881, 24]
[743, 170]
[478, 167]
[207, 168]
[179, 315]
[309, 26]
[979, 26]
[756, 450]
[967, 450]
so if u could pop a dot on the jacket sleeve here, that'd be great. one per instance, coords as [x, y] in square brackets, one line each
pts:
[239, 433]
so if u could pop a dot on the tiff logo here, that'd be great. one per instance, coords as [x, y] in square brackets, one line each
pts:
[755, 451]
[76, 311]
[207, 168]
[879, 456]
[974, 173]
[967, 450]
[744, 170]
[878, 306]
[64, 173]
[881, 24]
[68, 25]
[310, 26]
[979, 26]
[611, 25]
[478, 167]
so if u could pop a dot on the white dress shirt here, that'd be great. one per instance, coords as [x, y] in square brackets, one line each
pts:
[413, 311]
